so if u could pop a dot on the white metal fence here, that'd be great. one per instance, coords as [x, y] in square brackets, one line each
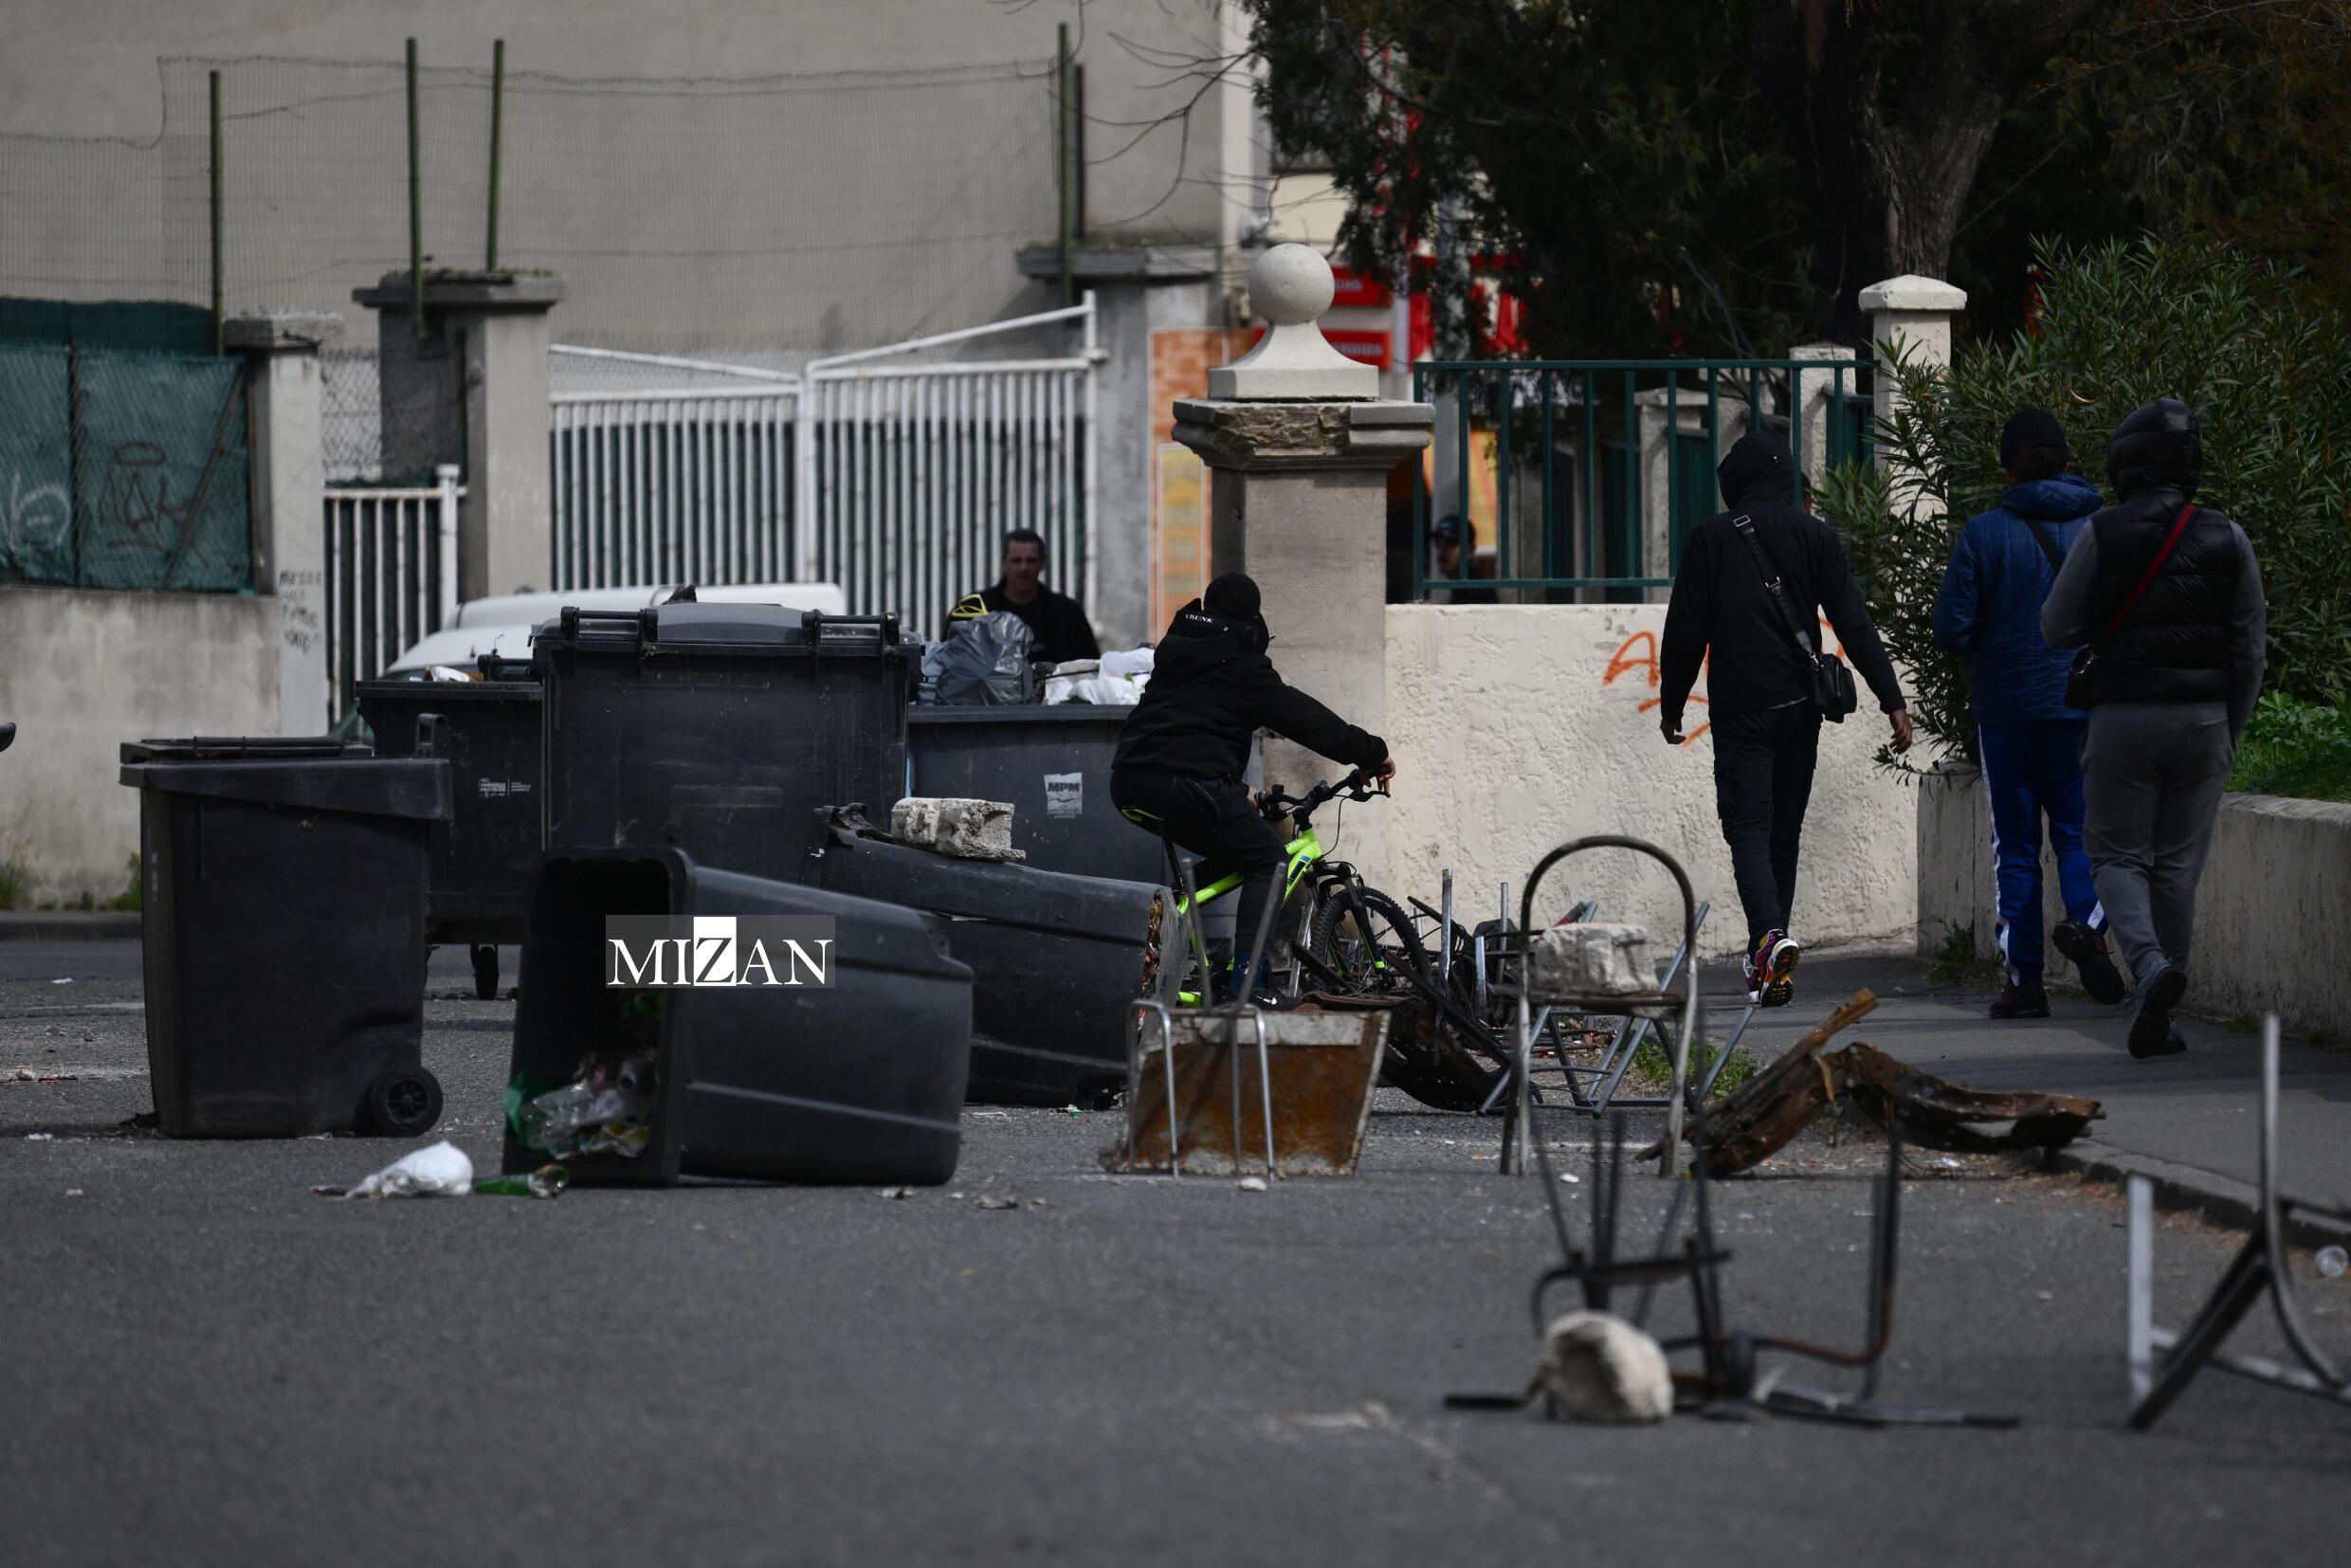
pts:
[895, 479]
[391, 576]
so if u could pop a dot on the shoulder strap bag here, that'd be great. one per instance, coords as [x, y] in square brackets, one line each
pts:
[1831, 682]
[2082, 680]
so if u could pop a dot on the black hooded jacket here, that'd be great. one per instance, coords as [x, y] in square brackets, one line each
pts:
[1721, 606]
[1210, 690]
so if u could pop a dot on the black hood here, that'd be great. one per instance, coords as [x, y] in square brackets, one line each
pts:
[1198, 638]
[1758, 469]
[2160, 444]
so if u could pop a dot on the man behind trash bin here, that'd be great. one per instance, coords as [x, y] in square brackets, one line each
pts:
[1989, 610]
[1056, 621]
[1178, 765]
[2167, 595]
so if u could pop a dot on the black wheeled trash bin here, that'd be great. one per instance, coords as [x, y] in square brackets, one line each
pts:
[843, 1060]
[716, 729]
[283, 921]
[1052, 764]
[484, 855]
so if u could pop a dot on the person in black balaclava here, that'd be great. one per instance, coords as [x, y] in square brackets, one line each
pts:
[2167, 594]
[1178, 766]
[1765, 724]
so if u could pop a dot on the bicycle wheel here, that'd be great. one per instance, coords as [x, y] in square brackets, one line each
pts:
[1366, 963]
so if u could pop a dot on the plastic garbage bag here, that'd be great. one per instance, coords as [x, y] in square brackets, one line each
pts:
[983, 662]
[441, 1170]
[599, 1112]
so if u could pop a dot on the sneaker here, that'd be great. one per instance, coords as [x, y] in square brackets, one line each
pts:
[2028, 1000]
[2086, 950]
[1770, 969]
[1268, 998]
[2151, 1032]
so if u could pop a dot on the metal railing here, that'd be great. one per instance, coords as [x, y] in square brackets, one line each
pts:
[391, 576]
[894, 479]
[674, 487]
[1584, 477]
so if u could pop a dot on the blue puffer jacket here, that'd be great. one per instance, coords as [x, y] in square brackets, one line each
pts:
[1990, 606]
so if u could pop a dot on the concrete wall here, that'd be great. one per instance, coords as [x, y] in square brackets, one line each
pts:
[83, 670]
[2273, 919]
[1518, 728]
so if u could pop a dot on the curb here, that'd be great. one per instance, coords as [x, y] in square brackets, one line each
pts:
[67, 925]
[2184, 1189]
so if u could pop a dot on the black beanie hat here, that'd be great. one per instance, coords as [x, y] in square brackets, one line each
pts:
[2032, 428]
[1233, 596]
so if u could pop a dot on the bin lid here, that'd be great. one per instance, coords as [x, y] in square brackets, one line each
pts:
[226, 748]
[415, 788]
[752, 628]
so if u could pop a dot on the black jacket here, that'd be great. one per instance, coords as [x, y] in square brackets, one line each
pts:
[2176, 648]
[1055, 622]
[1721, 606]
[1210, 692]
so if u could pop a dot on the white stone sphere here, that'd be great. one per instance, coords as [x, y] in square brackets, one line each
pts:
[1290, 286]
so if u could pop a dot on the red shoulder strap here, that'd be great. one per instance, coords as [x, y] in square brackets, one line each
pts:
[2146, 580]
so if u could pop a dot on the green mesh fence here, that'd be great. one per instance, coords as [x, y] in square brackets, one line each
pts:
[123, 469]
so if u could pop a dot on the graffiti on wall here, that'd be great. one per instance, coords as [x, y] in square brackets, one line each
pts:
[1636, 656]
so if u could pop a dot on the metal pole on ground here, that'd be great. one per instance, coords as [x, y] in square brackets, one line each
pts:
[416, 211]
[498, 141]
[219, 341]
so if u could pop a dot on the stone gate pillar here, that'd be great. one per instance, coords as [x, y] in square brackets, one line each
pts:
[289, 500]
[1298, 445]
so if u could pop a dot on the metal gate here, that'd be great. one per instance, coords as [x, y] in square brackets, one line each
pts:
[391, 576]
[894, 479]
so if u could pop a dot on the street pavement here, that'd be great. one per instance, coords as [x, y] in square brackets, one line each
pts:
[200, 1362]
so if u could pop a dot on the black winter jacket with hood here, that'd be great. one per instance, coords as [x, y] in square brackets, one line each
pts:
[1720, 605]
[1212, 689]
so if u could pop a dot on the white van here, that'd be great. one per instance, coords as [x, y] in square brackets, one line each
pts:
[503, 625]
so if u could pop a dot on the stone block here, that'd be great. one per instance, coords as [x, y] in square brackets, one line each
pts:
[1593, 959]
[1598, 1367]
[968, 829]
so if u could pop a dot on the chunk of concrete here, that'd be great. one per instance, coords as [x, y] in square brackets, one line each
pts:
[1598, 1367]
[968, 829]
[1593, 959]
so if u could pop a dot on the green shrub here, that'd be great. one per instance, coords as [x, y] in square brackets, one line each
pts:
[2300, 749]
[2123, 324]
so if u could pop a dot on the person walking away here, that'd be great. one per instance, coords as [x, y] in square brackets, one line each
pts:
[2165, 596]
[1747, 576]
[1988, 611]
[1177, 769]
[1056, 622]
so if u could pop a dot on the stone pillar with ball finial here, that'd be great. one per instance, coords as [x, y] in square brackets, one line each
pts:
[1300, 445]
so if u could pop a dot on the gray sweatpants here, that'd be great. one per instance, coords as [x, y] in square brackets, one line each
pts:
[2154, 773]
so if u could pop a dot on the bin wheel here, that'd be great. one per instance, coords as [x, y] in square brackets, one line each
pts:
[405, 1102]
[485, 971]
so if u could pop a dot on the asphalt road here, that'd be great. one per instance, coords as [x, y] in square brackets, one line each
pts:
[200, 1362]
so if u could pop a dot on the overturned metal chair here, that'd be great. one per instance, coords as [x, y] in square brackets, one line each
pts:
[2163, 1363]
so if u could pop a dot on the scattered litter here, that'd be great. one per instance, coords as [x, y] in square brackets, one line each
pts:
[1000, 1203]
[73, 1191]
[1037, 1203]
[44, 1138]
[2333, 1262]
[441, 1170]
[1073, 1110]
[1005, 1116]
[24, 1075]
[547, 1181]
[896, 1192]
[2045, 1295]
[1570, 1177]
[1251, 1184]
[67, 981]
[606, 1108]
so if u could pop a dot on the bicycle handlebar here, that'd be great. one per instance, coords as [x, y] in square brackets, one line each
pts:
[1272, 803]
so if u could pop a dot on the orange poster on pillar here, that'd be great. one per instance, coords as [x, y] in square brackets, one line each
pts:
[1178, 533]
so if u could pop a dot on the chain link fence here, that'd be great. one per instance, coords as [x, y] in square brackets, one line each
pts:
[801, 213]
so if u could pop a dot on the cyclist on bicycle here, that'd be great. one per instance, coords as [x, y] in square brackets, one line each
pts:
[1181, 757]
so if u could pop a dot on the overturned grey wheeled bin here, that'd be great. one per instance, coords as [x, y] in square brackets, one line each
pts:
[1056, 960]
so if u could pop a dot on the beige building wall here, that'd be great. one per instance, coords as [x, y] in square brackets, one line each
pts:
[1518, 728]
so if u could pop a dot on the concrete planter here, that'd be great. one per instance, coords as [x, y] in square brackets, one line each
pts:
[2272, 918]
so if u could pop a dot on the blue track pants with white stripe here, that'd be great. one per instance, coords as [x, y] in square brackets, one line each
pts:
[2034, 770]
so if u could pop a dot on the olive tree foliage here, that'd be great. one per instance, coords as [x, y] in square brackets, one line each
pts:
[2123, 324]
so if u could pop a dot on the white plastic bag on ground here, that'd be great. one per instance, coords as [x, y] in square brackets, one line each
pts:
[441, 1170]
[1598, 1367]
